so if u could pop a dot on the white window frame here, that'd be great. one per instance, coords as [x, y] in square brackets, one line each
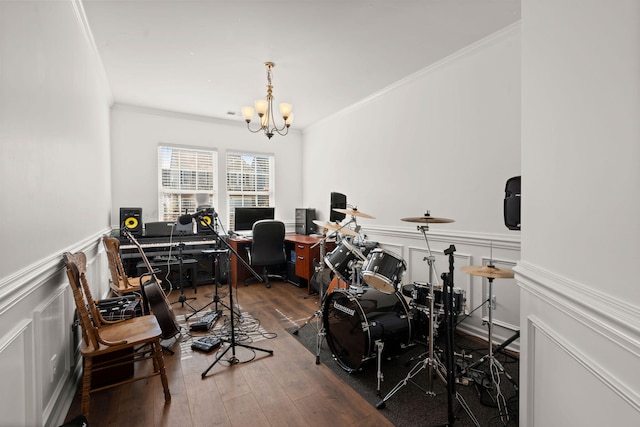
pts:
[191, 192]
[243, 184]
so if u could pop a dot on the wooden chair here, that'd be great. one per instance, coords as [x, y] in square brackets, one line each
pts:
[121, 284]
[140, 335]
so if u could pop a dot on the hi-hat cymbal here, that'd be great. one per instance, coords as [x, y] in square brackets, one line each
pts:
[353, 212]
[427, 219]
[335, 227]
[488, 271]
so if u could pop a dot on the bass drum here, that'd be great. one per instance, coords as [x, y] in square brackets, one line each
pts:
[354, 322]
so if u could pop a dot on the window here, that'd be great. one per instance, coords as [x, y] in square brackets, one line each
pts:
[187, 179]
[249, 181]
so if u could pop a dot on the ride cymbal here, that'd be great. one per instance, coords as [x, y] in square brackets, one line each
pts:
[488, 271]
[427, 219]
[354, 212]
[335, 227]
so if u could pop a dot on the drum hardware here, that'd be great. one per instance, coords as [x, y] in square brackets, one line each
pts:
[430, 362]
[317, 315]
[495, 367]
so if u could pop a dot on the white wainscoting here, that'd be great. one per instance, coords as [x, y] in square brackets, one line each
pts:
[18, 377]
[470, 249]
[585, 344]
[36, 319]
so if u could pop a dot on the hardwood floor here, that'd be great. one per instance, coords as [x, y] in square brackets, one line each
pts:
[283, 389]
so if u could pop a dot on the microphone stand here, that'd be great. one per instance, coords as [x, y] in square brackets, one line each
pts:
[216, 265]
[183, 298]
[234, 360]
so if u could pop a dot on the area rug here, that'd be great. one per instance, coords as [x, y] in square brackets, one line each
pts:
[416, 402]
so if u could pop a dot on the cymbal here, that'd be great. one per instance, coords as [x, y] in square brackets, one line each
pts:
[488, 271]
[335, 227]
[354, 212]
[427, 219]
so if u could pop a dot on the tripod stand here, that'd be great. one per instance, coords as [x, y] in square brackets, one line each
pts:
[233, 344]
[182, 299]
[317, 315]
[215, 253]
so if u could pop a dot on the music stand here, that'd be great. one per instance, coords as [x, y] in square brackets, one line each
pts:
[234, 360]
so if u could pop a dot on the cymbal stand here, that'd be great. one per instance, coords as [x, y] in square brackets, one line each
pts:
[430, 362]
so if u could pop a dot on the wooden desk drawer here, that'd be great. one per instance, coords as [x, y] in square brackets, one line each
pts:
[304, 265]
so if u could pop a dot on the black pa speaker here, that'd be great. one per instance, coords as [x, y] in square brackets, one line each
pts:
[512, 203]
[208, 217]
[338, 201]
[131, 220]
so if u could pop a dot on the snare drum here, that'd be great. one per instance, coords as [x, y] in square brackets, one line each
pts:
[383, 270]
[353, 323]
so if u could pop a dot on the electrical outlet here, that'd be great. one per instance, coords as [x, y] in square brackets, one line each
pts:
[493, 302]
[54, 366]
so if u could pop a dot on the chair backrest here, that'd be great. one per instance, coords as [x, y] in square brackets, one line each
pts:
[267, 247]
[118, 274]
[88, 313]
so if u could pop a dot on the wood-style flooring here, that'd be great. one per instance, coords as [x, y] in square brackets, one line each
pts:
[283, 389]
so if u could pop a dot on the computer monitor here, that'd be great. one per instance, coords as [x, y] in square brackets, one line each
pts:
[245, 217]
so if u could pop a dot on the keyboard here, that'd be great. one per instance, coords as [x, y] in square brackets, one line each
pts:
[205, 322]
[206, 344]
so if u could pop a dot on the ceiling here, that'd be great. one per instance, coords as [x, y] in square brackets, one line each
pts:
[207, 57]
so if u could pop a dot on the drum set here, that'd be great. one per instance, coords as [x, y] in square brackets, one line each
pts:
[366, 314]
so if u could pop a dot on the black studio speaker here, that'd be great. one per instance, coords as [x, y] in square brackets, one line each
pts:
[512, 203]
[131, 220]
[338, 201]
[208, 217]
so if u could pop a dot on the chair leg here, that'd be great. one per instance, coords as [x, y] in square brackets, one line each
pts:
[159, 361]
[86, 386]
[266, 277]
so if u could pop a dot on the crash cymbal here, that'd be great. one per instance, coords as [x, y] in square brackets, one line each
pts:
[354, 212]
[335, 227]
[488, 271]
[427, 219]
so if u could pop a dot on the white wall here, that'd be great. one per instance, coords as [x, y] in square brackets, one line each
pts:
[56, 196]
[580, 313]
[446, 140]
[137, 132]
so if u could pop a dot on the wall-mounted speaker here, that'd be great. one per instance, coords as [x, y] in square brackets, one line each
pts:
[338, 201]
[131, 220]
[512, 203]
[208, 217]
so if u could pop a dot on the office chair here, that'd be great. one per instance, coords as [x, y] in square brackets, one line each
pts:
[267, 248]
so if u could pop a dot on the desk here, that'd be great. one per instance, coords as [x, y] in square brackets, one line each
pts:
[304, 255]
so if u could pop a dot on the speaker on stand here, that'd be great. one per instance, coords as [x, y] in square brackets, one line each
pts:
[208, 217]
[131, 220]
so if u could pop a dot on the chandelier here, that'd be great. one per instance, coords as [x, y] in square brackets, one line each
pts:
[264, 108]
